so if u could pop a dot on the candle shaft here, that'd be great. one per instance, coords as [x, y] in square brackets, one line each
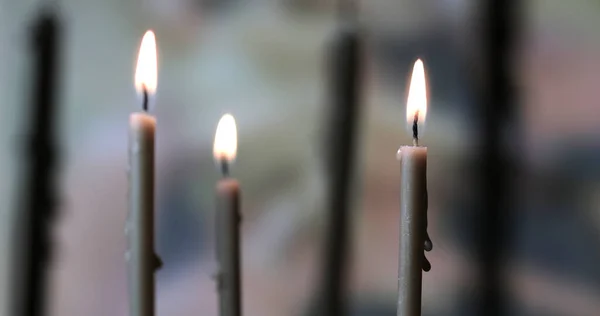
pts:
[228, 220]
[413, 208]
[141, 258]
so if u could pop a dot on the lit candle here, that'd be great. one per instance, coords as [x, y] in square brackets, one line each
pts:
[413, 202]
[141, 258]
[228, 220]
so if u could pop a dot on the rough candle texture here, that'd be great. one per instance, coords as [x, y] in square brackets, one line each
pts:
[413, 221]
[141, 258]
[228, 247]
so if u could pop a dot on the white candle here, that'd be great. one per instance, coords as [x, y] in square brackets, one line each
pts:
[413, 202]
[228, 219]
[141, 258]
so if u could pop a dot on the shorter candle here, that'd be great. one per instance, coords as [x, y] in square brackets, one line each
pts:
[228, 220]
[413, 203]
[141, 258]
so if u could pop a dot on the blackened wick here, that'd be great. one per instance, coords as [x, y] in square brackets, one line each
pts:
[145, 96]
[415, 129]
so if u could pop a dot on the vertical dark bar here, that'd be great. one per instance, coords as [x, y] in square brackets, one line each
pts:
[498, 109]
[345, 75]
[39, 197]
[229, 248]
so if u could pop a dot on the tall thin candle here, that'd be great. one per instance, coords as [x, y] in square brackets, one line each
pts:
[413, 203]
[228, 220]
[141, 259]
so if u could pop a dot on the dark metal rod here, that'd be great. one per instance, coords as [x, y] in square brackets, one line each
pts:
[39, 200]
[345, 76]
[498, 108]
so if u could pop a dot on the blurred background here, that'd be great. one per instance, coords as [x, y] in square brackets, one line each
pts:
[263, 61]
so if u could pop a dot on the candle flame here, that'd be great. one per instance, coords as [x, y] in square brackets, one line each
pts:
[225, 146]
[416, 103]
[146, 69]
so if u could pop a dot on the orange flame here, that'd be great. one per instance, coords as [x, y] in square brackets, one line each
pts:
[417, 94]
[225, 146]
[146, 69]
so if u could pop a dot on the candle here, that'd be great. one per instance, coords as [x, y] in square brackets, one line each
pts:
[141, 258]
[228, 220]
[413, 203]
[32, 233]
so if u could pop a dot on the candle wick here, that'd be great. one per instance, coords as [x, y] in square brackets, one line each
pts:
[224, 168]
[145, 98]
[416, 129]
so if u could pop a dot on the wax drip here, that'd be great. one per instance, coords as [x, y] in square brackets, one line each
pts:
[427, 243]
